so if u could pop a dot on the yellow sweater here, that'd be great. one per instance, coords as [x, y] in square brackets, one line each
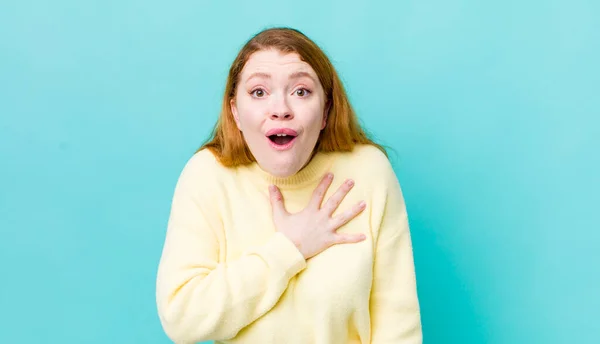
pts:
[227, 275]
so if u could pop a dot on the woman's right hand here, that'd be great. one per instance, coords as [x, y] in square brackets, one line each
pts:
[313, 229]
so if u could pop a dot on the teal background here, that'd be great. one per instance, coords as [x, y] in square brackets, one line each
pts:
[491, 108]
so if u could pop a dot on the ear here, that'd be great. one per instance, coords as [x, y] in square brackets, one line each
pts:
[325, 114]
[234, 111]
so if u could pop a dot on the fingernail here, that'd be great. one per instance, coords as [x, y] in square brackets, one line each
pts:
[350, 182]
[272, 188]
[329, 175]
[362, 204]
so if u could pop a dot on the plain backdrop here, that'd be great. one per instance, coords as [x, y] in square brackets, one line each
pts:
[490, 108]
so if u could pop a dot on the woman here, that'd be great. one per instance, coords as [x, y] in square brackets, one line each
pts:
[289, 225]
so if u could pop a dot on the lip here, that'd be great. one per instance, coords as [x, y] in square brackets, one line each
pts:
[282, 147]
[286, 131]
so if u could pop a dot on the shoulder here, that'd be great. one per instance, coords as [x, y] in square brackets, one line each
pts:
[203, 160]
[202, 168]
[368, 159]
[380, 180]
[369, 154]
[371, 168]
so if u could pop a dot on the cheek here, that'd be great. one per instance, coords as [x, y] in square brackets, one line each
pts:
[314, 114]
[250, 115]
[309, 109]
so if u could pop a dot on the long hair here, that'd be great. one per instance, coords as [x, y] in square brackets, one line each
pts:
[342, 130]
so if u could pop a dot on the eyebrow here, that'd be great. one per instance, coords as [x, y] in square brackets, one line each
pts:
[298, 75]
[259, 75]
[295, 75]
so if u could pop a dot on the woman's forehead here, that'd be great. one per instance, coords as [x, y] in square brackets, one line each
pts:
[273, 63]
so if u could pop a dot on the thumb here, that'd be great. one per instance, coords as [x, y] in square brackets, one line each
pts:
[276, 199]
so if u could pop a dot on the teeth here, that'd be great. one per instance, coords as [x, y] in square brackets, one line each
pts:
[281, 135]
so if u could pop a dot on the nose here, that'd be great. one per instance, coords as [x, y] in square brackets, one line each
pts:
[278, 115]
[280, 109]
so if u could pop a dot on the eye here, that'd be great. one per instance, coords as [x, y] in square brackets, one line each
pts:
[258, 93]
[302, 92]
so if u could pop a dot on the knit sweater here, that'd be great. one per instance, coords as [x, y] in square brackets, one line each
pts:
[226, 273]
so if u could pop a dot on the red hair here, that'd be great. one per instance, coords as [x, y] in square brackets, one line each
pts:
[342, 130]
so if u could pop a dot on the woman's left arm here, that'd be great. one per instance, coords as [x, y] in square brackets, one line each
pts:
[394, 305]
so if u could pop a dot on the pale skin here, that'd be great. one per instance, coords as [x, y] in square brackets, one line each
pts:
[280, 90]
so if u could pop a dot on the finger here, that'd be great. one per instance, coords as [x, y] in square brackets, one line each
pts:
[334, 201]
[348, 238]
[348, 215]
[276, 199]
[321, 190]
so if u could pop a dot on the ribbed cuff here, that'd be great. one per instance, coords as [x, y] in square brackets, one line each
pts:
[281, 254]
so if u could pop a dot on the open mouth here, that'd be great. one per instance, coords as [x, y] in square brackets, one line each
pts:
[281, 139]
[281, 142]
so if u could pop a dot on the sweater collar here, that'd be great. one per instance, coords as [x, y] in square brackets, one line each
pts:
[314, 170]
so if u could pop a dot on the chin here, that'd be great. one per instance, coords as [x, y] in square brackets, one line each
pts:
[282, 170]
[281, 167]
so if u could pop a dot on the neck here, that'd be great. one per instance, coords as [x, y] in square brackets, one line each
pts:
[314, 169]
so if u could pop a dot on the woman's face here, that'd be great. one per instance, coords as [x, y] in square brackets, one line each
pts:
[280, 109]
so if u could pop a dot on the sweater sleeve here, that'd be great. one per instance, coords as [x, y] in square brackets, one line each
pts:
[199, 296]
[395, 313]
